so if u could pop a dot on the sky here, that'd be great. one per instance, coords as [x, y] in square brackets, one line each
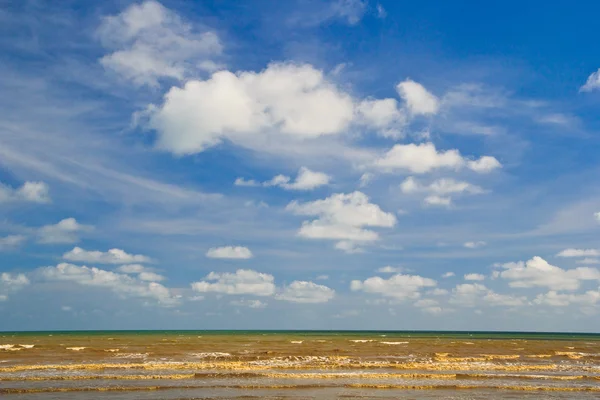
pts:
[307, 164]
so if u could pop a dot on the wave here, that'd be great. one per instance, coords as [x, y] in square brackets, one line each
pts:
[76, 348]
[394, 342]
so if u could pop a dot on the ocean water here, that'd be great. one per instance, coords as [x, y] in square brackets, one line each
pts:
[298, 365]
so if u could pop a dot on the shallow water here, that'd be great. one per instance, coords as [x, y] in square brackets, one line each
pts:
[298, 365]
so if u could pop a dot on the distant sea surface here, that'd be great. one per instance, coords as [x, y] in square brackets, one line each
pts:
[298, 365]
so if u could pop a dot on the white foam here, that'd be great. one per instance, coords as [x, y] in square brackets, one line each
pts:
[112, 350]
[6, 346]
[393, 342]
[132, 355]
[27, 346]
[215, 354]
[76, 348]
[362, 340]
[296, 341]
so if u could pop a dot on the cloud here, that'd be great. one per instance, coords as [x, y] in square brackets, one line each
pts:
[438, 201]
[579, 253]
[429, 306]
[555, 299]
[243, 281]
[150, 277]
[474, 245]
[32, 192]
[390, 270]
[305, 292]
[537, 272]
[233, 252]
[112, 256]
[397, 286]
[474, 277]
[64, 232]
[121, 284]
[248, 303]
[588, 261]
[305, 180]
[476, 294]
[418, 100]
[347, 11]
[342, 217]
[592, 83]
[365, 179]
[11, 241]
[322, 277]
[441, 186]
[131, 268]
[384, 115]
[424, 157]
[151, 42]
[597, 216]
[448, 275]
[11, 283]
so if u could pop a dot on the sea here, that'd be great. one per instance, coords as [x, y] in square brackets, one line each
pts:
[298, 365]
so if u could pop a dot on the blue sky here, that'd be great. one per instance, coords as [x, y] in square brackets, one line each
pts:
[303, 164]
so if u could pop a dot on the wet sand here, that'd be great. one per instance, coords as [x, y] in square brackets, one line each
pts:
[298, 365]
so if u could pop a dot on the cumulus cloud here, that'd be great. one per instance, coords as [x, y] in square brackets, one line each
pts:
[474, 245]
[474, 277]
[121, 284]
[390, 270]
[112, 256]
[442, 186]
[537, 272]
[435, 200]
[10, 283]
[592, 82]
[429, 306]
[424, 157]
[448, 275]
[150, 42]
[597, 216]
[579, 253]
[131, 268]
[64, 232]
[397, 286]
[243, 281]
[305, 292]
[248, 303]
[11, 241]
[588, 261]
[151, 276]
[305, 180]
[418, 100]
[342, 217]
[555, 299]
[384, 114]
[33, 192]
[233, 252]
[476, 294]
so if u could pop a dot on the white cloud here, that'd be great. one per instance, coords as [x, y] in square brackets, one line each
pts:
[151, 42]
[292, 100]
[33, 192]
[121, 284]
[248, 303]
[438, 201]
[243, 281]
[11, 241]
[112, 256]
[579, 253]
[350, 10]
[349, 247]
[484, 164]
[424, 157]
[588, 261]
[390, 270]
[234, 252]
[381, 13]
[474, 245]
[429, 306]
[131, 268]
[342, 217]
[538, 273]
[365, 179]
[597, 216]
[65, 231]
[474, 277]
[592, 83]
[397, 286]
[555, 299]
[442, 186]
[306, 292]
[418, 100]
[11, 283]
[305, 180]
[448, 275]
[151, 277]
[475, 294]
[438, 292]
[382, 114]
[322, 277]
